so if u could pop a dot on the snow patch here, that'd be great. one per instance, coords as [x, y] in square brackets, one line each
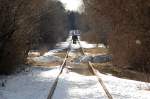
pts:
[94, 59]
[75, 86]
[32, 85]
[125, 89]
[84, 59]
[51, 52]
[101, 58]
[48, 58]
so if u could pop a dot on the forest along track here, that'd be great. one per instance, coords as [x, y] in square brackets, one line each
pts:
[81, 69]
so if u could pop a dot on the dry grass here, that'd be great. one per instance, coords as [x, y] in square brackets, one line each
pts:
[43, 64]
[96, 51]
[60, 54]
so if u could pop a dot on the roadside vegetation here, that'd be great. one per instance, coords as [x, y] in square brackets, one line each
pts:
[28, 25]
[122, 25]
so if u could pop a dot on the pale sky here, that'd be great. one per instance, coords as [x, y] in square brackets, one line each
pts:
[72, 5]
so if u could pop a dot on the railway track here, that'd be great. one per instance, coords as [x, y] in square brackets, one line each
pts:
[94, 71]
[90, 66]
[62, 66]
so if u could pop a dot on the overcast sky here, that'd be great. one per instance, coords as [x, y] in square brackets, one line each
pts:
[72, 5]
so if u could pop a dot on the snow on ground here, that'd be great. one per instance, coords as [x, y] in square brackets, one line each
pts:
[31, 85]
[84, 44]
[37, 83]
[48, 58]
[71, 85]
[51, 52]
[75, 86]
[94, 59]
[121, 88]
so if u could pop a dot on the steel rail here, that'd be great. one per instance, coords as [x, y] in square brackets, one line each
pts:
[100, 80]
[82, 50]
[94, 71]
[62, 66]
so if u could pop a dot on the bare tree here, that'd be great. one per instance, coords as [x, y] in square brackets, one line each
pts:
[19, 29]
[128, 27]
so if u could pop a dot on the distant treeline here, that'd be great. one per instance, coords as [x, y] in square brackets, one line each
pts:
[26, 25]
[123, 25]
